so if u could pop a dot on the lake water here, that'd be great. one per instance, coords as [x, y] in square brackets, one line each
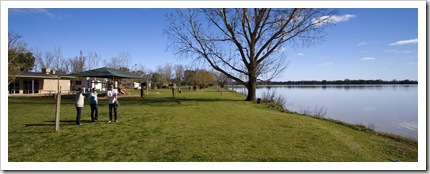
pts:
[386, 108]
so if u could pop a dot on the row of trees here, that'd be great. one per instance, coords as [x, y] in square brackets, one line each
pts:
[23, 59]
[82, 62]
[181, 76]
[55, 60]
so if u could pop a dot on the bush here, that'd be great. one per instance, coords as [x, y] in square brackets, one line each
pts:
[318, 112]
[274, 100]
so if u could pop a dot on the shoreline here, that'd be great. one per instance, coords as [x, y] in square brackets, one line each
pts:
[360, 127]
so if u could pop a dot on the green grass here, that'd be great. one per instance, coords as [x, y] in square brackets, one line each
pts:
[200, 125]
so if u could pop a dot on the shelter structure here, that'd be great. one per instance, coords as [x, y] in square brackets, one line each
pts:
[110, 74]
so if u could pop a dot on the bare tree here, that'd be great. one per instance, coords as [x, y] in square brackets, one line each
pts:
[245, 44]
[141, 70]
[122, 60]
[164, 73]
[112, 63]
[15, 42]
[77, 64]
[65, 67]
[179, 73]
[47, 62]
[221, 79]
[58, 58]
[91, 60]
[38, 59]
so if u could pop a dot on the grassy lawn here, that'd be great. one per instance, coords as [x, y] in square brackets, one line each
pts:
[200, 125]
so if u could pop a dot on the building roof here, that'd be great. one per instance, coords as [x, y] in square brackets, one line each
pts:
[40, 75]
[106, 73]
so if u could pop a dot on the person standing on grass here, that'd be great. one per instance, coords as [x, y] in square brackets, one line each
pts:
[94, 105]
[79, 103]
[112, 94]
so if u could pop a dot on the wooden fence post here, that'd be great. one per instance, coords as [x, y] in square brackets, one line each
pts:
[57, 111]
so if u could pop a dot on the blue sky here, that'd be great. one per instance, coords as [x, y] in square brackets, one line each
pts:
[364, 44]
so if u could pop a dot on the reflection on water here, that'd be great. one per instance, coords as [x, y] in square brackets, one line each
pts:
[409, 126]
[387, 108]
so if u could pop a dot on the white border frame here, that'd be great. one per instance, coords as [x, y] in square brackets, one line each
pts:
[420, 165]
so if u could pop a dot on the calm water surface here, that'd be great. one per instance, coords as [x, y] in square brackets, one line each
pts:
[386, 108]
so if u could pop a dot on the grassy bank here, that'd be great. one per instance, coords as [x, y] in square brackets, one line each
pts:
[200, 125]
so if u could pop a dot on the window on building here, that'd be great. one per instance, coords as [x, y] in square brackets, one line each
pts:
[14, 87]
[30, 86]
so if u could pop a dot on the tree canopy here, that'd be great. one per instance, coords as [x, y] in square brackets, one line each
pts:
[19, 58]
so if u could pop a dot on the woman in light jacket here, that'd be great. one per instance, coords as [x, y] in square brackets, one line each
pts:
[79, 103]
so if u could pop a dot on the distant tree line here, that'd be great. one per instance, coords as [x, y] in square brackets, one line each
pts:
[338, 82]
[184, 76]
[23, 59]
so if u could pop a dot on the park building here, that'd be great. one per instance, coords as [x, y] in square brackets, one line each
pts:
[48, 83]
[42, 83]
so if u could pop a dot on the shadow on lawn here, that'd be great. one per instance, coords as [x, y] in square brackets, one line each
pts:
[62, 122]
[152, 101]
[40, 125]
[71, 122]
[170, 101]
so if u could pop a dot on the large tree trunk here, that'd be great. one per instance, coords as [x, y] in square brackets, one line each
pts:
[252, 86]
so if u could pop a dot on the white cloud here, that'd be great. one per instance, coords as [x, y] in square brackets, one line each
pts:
[334, 19]
[403, 42]
[397, 51]
[361, 43]
[31, 11]
[300, 54]
[326, 64]
[368, 58]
